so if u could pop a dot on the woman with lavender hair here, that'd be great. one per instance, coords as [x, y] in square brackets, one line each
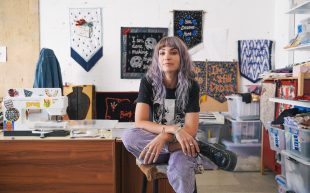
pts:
[167, 116]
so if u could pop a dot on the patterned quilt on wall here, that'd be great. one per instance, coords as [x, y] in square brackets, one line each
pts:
[254, 58]
[116, 105]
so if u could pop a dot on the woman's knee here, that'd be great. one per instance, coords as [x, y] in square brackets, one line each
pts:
[130, 137]
[181, 165]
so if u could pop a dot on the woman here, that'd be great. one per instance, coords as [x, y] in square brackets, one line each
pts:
[169, 95]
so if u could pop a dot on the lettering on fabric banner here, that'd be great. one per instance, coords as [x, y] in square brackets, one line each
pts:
[188, 27]
[201, 76]
[254, 58]
[221, 79]
[116, 105]
[137, 46]
[86, 36]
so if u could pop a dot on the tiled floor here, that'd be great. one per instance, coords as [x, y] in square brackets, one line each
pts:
[218, 181]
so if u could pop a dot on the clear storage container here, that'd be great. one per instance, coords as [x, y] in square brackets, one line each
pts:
[248, 155]
[276, 138]
[281, 180]
[245, 131]
[298, 141]
[209, 133]
[240, 110]
[297, 172]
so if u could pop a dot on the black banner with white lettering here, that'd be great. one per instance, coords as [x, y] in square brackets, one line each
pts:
[188, 27]
[137, 49]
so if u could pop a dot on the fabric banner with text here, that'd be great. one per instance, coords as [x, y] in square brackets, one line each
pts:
[137, 46]
[116, 105]
[221, 79]
[188, 26]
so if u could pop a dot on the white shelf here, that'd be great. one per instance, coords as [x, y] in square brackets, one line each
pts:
[291, 102]
[301, 47]
[302, 8]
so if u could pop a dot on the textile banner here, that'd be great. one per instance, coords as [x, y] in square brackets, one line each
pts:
[137, 46]
[188, 27]
[201, 76]
[116, 105]
[221, 79]
[254, 58]
[86, 36]
[267, 108]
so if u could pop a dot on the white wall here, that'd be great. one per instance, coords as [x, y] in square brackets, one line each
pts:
[226, 21]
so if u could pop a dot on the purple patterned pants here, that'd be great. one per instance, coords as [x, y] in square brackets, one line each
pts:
[180, 171]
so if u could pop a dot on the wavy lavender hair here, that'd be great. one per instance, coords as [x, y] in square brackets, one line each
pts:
[185, 75]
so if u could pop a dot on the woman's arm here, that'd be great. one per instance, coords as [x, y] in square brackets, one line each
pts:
[142, 120]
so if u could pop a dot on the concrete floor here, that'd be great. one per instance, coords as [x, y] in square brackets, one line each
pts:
[218, 181]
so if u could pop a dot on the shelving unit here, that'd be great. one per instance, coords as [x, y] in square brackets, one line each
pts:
[301, 47]
[300, 9]
[267, 155]
[291, 102]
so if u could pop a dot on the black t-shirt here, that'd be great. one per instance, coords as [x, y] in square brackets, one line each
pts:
[168, 113]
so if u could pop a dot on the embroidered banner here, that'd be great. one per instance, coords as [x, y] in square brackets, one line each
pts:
[254, 58]
[188, 27]
[116, 105]
[137, 45]
[86, 36]
[221, 79]
[201, 75]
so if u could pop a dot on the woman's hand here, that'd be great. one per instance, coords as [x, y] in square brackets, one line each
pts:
[188, 143]
[151, 151]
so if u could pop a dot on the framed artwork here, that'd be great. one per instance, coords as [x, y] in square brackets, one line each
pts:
[116, 105]
[187, 25]
[221, 79]
[137, 46]
[254, 58]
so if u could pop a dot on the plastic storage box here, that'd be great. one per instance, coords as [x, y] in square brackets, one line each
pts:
[282, 188]
[248, 155]
[298, 141]
[209, 133]
[276, 138]
[297, 173]
[240, 110]
[245, 131]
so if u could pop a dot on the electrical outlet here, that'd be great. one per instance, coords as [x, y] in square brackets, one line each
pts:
[3, 54]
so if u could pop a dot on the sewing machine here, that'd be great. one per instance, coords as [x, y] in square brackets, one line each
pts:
[26, 110]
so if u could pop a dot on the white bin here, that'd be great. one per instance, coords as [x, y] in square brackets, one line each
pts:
[240, 110]
[245, 131]
[297, 172]
[248, 155]
[276, 138]
[298, 141]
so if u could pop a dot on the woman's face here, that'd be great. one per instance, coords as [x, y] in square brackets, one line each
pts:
[169, 59]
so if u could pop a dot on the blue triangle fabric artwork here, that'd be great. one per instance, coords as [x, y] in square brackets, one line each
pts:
[86, 36]
[254, 58]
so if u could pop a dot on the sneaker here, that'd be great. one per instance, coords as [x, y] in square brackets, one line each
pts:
[224, 159]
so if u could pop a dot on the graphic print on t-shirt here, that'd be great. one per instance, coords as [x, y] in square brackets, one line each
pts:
[166, 114]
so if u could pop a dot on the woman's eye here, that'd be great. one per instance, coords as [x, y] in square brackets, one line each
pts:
[161, 53]
[174, 52]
